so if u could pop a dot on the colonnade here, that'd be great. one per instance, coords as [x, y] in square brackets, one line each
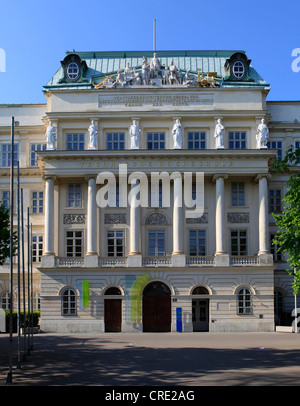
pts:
[135, 248]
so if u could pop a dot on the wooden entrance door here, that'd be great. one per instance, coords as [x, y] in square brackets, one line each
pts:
[156, 308]
[113, 315]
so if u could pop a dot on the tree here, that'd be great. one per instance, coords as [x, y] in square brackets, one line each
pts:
[5, 234]
[287, 237]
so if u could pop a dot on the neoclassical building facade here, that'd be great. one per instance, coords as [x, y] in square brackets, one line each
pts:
[148, 182]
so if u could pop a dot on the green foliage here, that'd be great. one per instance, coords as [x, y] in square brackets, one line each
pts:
[288, 222]
[5, 235]
[36, 315]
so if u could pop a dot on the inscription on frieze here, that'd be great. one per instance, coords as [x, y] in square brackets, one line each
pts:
[140, 100]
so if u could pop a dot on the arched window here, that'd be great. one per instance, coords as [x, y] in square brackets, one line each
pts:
[156, 289]
[69, 302]
[200, 290]
[113, 291]
[5, 301]
[244, 301]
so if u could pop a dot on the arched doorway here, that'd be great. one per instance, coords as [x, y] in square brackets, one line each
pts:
[156, 308]
[200, 309]
[112, 311]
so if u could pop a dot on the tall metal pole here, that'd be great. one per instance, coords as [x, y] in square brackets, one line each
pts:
[296, 310]
[154, 35]
[9, 375]
[19, 284]
[23, 273]
[31, 285]
[28, 279]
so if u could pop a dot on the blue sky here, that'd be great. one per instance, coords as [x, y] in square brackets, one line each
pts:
[36, 34]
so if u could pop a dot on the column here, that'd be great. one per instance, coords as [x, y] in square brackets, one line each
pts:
[49, 216]
[178, 257]
[135, 257]
[220, 214]
[263, 214]
[91, 216]
[221, 257]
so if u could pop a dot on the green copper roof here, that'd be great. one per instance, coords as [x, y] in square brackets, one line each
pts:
[100, 64]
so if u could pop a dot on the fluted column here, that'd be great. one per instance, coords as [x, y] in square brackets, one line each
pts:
[220, 213]
[91, 216]
[49, 216]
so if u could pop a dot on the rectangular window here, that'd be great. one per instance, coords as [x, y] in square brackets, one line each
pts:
[237, 140]
[37, 202]
[276, 254]
[276, 145]
[6, 155]
[156, 243]
[5, 199]
[74, 242]
[37, 248]
[115, 243]
[196, 140]
[238, 239]
[75, 141]
[197, 243]
[155, 140]
[34, 148]
[237, 194]
[115, 141]
[74, 195]
[275, 201]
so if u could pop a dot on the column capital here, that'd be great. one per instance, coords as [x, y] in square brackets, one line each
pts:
[47, 177]
[219, 175]
[88, 177]
[263, 175]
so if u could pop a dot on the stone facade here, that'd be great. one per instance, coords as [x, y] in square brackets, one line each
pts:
[153, 268]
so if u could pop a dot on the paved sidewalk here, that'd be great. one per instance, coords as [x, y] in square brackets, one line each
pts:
[198, 359]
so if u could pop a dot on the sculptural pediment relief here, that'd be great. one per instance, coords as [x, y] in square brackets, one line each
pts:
[153, 73]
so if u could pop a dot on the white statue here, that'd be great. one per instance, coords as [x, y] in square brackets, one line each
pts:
[145, 71]
[177, 134]
[263, 135]
[155, 66]
[172, 74]
[93, 135]
[219, 134]
[189, 79]
[50, 136]
[134, 135]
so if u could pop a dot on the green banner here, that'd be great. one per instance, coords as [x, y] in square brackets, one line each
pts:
[85, 293]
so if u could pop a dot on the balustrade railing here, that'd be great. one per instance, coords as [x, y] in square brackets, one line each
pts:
[156, 261]
[244, 260]
[69, 261]
[200, 261]
[112, 261]
[235, 260]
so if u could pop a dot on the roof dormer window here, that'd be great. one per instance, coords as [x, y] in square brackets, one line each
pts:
[238, 69]
[73, 71]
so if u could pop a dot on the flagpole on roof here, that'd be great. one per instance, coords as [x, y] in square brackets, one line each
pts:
[154, 35]
[9, 375]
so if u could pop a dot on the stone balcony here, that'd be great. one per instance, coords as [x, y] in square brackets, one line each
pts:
[95, 261]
